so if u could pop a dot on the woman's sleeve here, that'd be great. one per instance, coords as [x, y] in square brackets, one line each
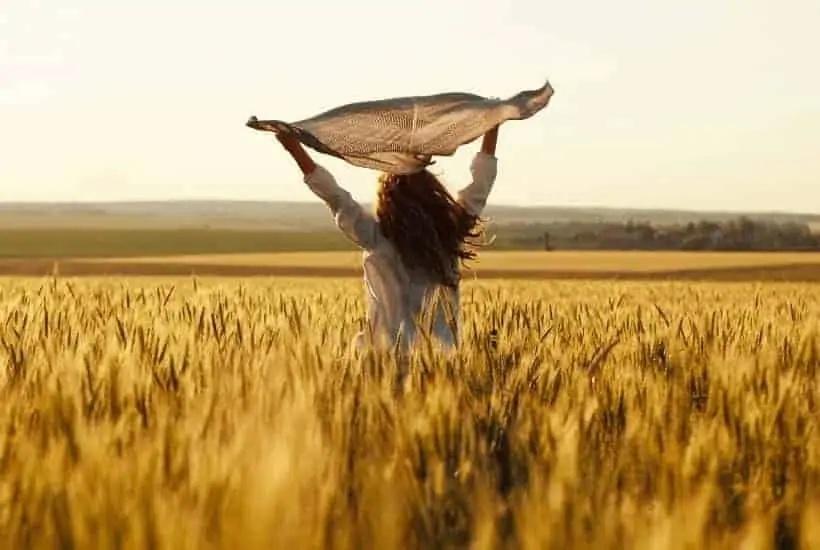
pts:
[358, 225]
[473, 197]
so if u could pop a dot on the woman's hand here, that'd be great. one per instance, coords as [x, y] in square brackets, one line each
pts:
[489, 142]
[294, 147]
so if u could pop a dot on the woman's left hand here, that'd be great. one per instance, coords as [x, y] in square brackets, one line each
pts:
[294, 147]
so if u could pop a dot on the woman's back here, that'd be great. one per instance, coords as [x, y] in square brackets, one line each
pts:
[398, 299]
[412, 247]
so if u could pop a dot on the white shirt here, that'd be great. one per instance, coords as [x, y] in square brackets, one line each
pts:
[396, 296]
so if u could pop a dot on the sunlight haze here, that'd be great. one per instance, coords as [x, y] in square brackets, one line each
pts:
[707, 104]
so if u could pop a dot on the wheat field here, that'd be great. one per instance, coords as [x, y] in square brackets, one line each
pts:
[219, 413]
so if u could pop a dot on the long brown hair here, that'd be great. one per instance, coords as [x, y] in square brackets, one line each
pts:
[429, 228]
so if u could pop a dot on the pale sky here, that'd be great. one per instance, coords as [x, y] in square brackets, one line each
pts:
[704, 104]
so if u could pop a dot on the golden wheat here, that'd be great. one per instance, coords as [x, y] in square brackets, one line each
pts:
[223, 414]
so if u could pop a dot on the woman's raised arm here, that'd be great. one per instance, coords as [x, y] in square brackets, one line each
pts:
[359, 226]
[484, 169]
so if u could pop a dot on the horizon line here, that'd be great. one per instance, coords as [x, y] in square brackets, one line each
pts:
[171, 201]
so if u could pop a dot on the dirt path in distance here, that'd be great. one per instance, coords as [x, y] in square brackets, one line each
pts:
[74, 268]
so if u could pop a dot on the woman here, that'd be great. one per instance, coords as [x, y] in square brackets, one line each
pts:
[412, 246]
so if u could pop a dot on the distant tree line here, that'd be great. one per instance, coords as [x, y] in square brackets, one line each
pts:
[738, 234]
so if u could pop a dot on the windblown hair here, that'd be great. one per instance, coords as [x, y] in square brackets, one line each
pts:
[429, 228]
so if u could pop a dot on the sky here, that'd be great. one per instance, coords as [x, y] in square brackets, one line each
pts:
[704, 104]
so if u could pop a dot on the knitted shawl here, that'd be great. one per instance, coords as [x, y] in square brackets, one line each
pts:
[401, 135]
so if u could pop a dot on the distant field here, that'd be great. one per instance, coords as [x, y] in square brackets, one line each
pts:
[522, 260]
[158, 241]
[56, 243]
[492, 265]
[126, 243]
